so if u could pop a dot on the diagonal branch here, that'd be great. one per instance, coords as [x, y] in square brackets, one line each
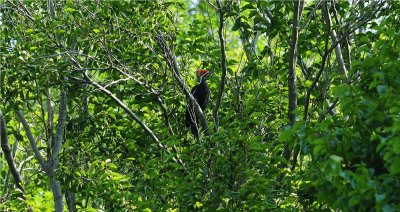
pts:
[172, 64]
[126, 109]
[124, 71]
[338, 48]
[32, 141]
[329, 110]
[134, 117]
[377, 7]
[223, 64]
[328, 51]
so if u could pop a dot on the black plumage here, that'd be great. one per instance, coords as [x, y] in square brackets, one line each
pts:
[201, 93]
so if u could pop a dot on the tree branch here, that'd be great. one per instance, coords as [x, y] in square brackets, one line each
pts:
[336, 42]
[32, 141]
[56, 148]
[144, 84]
[338, 49]
[329, 110]
[62, 116]
[5, 146]
[126, 109]
[172, 64]
[312, 13]
[50, 117]
[326, 54]
[134, 117]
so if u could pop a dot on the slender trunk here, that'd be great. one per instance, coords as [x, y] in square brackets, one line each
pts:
[58, 140]
[223, 65]
[338, 49]
[298, 8]
[57, 195]
[52, 163]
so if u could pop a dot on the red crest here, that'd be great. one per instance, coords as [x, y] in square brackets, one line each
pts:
[201, 72]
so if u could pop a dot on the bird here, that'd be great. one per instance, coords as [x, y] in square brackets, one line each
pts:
[201, 93]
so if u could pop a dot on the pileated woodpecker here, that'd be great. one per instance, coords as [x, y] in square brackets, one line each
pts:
[201, 93]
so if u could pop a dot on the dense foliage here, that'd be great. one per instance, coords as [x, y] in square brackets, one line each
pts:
[93, 110]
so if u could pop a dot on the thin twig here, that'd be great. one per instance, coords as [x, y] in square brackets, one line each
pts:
[329, 110]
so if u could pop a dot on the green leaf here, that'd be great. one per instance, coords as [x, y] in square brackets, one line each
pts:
[342, 90]
[68, 9]
[396, 145]
[336, 158]
[354, 200]
[379, 197]
[395, 167]
[198, 205]
[285, 135]
[28, 31]
[382, 89]
[308, 83]
[248, 6]
[237, 24]
[255, 115]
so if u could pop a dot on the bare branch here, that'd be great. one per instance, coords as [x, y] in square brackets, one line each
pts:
[24, 11]
[321, 69]
[292, 63]
[327, 52]
[312, 13]
[117, 81]
[345, 41]
[144, 84]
